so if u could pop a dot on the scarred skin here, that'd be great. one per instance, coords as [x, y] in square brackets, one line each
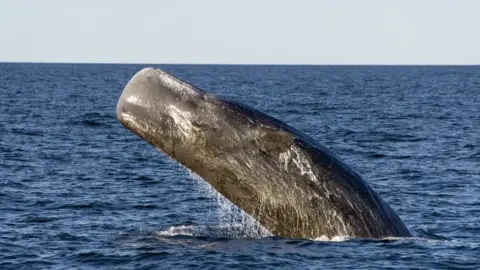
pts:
[289, 183]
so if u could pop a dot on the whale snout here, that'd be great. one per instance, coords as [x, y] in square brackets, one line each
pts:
[154, 104]
[153, 90]
[135, 95]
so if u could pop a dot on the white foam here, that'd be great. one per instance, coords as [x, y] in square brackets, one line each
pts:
[337, 238]
[179, 230]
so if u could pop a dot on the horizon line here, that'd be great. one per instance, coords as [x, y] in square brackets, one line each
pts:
[233, 64]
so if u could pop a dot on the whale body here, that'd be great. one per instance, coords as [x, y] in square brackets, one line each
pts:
[292, 185]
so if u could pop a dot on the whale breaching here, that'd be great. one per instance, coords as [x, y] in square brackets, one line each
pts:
[290, 184]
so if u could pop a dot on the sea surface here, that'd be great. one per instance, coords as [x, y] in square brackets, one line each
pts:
[79, 191]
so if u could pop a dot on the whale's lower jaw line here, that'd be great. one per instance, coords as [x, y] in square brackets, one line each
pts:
[290, 184]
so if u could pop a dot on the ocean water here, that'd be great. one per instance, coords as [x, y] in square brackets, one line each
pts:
[79, 191]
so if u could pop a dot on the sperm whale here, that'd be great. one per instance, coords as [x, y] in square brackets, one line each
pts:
[292, 185]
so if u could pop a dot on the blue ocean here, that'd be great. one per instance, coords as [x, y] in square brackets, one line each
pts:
[79, 191]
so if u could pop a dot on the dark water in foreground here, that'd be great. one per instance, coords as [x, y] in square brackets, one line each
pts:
[77, 190]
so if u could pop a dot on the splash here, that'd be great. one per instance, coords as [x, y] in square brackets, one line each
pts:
[179, 230]
[231, 218]
[337, 238]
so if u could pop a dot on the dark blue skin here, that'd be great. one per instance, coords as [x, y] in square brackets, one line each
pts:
[291, 184]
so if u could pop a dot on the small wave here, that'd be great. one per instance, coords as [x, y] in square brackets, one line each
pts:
[86, 205]
[469, 145]
[427, 234]
[92, 120]
[23, 131]
[475, 156]
[382, 136]
[39, 219]
[387, 137]
[377, 155]
[89, 123]
[179, 230]
[234, 231]
[145, 178]
[145, 206]
[380, 155]
[92, 123]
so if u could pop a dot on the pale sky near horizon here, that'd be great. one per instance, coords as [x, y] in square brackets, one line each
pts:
[241, 32]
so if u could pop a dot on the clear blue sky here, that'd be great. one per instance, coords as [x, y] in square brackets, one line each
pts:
[241, 31]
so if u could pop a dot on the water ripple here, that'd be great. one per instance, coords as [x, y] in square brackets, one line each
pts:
[79, 191]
